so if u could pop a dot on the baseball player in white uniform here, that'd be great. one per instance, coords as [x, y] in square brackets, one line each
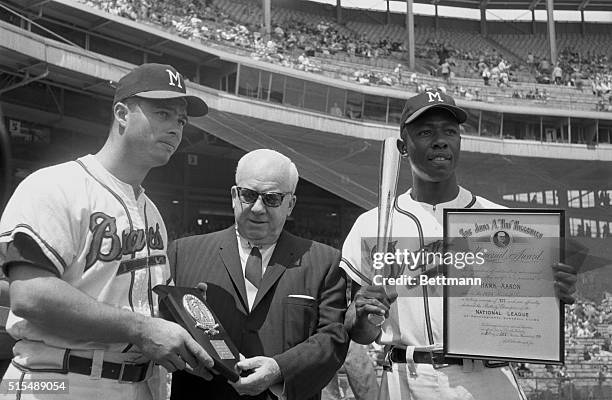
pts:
[412, 330]
[83, 247]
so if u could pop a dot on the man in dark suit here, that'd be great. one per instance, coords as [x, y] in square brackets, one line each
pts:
[281, 298]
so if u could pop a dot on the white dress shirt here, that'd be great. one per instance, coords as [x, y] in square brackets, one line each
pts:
[244, 249]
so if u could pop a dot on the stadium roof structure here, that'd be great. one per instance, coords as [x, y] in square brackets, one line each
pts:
[570, 5]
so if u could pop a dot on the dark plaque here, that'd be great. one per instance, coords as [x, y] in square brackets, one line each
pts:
[187, 307]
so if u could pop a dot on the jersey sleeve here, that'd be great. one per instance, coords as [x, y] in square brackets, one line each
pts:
[44, 209]
[23, 249]
[357, 251]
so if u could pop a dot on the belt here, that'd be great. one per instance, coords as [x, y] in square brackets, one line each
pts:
[398, 355]
[123, 372]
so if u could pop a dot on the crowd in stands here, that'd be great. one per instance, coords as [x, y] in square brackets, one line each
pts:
[586, 373]
[583, 319]
[559, 383]
[492, 67]
[602, 198]
[581, 231]
[295, 44]
[532, 94]
[574, 69]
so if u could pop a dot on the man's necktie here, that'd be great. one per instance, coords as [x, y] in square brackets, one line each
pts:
[253, 267]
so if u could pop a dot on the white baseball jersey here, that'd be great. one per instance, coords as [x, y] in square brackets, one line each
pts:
[100, 238]
[415, 318]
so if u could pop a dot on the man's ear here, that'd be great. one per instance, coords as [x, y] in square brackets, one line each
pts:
[292, 202]
[234, 192]
[120, 111]
[401, 146]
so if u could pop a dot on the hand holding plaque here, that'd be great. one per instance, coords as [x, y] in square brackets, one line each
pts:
[187, 307]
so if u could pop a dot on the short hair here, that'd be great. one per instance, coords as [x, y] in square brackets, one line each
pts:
[294, 177]
[268, 154]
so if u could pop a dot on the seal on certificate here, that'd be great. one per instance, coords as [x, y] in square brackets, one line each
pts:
[501, 239]
[201, 314]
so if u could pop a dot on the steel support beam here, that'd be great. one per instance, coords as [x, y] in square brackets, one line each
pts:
[583, 5]
[483, 17]
[40, 3]
[25, 82]
[552, 39]
[61, 85]
[533, 4]
[100, 25]
[410, 34]
[267, 16]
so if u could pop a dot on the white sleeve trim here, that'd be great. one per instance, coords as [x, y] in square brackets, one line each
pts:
[354, 273]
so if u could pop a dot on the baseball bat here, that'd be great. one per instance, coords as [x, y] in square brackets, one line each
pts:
[388, 175]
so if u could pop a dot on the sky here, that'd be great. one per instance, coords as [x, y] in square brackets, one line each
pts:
[492, 15]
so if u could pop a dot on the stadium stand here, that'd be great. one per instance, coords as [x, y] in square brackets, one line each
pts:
[369, 53]
[587, 360]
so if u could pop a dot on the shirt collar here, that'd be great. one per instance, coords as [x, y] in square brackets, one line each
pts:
[461, 200]
[96, 166]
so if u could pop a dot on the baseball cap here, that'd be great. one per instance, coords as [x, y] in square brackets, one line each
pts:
[417, 105]
[158, 81]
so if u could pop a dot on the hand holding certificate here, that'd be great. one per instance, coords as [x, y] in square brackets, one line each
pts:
[511, 312]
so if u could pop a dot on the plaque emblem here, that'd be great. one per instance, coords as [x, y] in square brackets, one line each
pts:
[187, 307]
[201, 314]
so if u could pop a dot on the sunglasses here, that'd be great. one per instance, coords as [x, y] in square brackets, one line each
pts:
[270, 199]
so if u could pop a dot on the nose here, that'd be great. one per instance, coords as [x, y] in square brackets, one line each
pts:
[178, 131]
[439, 141]
[179, 123]
[258, 207]
[178, 128]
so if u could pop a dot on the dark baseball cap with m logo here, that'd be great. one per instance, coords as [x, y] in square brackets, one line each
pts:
[158, 81]
[417, 105]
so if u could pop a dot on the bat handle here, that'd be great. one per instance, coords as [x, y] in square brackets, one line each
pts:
[376, 320]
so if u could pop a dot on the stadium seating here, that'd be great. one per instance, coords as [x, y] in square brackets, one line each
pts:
[537, 44]
[351, 51]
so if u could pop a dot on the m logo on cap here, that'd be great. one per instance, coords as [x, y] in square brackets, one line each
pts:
[434, 96]
[176, 77]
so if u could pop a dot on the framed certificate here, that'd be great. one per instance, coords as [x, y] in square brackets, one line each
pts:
[499, 297]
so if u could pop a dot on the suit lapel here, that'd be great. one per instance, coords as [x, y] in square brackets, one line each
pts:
[282, 256]
[228, 250]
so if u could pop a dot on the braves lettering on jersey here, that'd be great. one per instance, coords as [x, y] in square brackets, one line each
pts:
[101, 239]
[415, 318]
[131, 242]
